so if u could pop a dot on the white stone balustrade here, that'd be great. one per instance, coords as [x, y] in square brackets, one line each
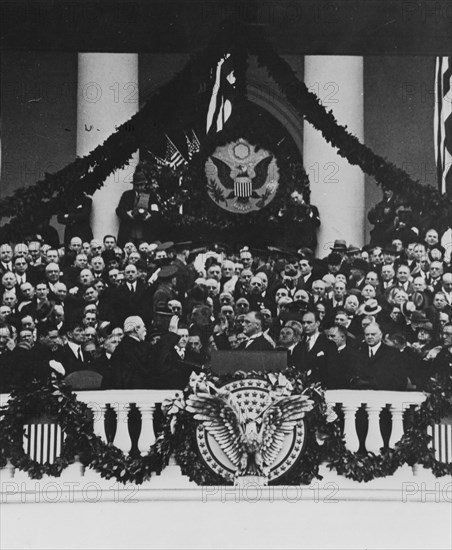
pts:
[349, 400]
[374, 402]
[120, 401]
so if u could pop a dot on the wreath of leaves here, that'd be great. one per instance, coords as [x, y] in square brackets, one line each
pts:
[325, 444]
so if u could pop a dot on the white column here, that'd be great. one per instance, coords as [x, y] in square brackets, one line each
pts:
[397, 431]
[350, 435]
[337, 188]
[107, 97]
[122, 436]
[374, 441]
[147, 435]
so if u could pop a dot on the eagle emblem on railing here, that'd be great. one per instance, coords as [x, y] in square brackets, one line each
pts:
[248, 427]
[242, 178]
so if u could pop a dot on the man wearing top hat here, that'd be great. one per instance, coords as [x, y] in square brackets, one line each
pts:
[138, 212]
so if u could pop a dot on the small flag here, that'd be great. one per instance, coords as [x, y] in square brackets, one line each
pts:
[173, 156]
[220, 106]
[443, 124]
[193, 144]
[158, 160]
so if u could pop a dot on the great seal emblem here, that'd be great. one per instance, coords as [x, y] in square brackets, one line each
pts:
[242, 178]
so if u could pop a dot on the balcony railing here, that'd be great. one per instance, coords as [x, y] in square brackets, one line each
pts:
[43, 441]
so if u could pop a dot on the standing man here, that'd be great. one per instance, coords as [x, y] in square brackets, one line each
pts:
[131, 361]
[76, 218]
[256, 340]
[347, 360]
[137, 211]
[315, 353]
[380, 365]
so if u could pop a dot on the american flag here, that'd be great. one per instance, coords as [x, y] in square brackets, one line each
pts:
[220, 106]
[443, 124]
[193, 144]
[173, 156]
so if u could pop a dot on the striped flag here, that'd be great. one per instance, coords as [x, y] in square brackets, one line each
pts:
[193, 144]
[173, 156]
[443, 124]
[220, 105]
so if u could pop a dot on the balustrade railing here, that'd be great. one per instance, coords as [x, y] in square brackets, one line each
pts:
[132, 426]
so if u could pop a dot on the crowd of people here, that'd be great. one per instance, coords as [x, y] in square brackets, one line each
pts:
[148, 314]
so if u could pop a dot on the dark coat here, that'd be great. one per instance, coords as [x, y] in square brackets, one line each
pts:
[126, 303]
[70, 362]
[384, 371]
[257, 344]
[320, 360]
[132, 365]
[135, 229]
[76, 218]
[173, 372]
[345, 370]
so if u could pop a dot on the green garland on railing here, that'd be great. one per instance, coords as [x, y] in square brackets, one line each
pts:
[324, 443]
[173, 106]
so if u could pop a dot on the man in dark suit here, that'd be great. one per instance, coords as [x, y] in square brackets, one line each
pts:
[76, 218]
[6, 256]
[102, 362]
[256, 340]
[380, 365]
[137, 211]
[347, 360]
[133, 297]
[174, 361]
[315, 352]
[131, 361]
[71, 355]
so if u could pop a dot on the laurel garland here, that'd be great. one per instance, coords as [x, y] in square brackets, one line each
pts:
[179, 101]
[324, 441]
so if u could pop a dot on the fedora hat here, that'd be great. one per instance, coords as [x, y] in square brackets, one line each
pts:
[340, 245]
[139, 177]
[370, 307]
[353, 249]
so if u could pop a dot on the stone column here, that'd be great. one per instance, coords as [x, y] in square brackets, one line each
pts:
[337, 188]
[107, 97]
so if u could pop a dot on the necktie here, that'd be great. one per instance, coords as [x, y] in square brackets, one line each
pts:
[371, 353]
[181, 353]
[79, 354]
[131, 289]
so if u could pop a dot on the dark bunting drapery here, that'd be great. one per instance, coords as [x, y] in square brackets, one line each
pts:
[175, 102]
